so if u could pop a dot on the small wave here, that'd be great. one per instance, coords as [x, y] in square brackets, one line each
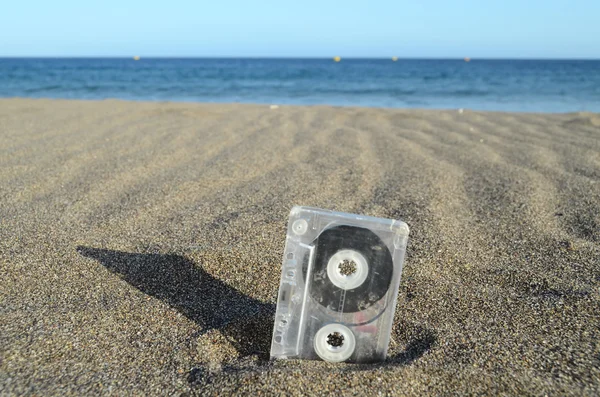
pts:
[463, 93]
[441, 76]
[33, 90]
[368, 91]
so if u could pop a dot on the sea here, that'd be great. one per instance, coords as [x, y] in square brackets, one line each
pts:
[496, 85]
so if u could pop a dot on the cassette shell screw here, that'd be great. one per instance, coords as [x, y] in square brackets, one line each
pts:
[300, 227]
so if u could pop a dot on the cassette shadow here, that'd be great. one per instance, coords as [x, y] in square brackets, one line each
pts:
[420, 341]
[246, 322]
[417, 342]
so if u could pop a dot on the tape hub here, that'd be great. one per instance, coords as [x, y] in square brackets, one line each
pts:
[334, 343]
[347, 269]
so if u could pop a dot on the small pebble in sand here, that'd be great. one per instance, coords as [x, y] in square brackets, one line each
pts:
[461, 110]
[568, 245]
[274, 107]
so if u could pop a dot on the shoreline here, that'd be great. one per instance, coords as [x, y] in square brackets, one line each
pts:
[281, 105]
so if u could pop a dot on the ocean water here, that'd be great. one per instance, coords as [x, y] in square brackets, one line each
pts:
[502, 85]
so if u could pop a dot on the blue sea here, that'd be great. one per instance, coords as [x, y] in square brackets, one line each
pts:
[502, 85]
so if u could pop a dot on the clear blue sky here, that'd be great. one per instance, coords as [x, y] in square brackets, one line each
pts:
[366, 28]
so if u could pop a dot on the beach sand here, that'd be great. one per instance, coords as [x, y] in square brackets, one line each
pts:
[141, 243]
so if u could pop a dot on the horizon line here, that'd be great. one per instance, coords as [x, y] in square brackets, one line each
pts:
[232, 57]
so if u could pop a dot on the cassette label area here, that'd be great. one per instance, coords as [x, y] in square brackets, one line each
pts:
[339, 285]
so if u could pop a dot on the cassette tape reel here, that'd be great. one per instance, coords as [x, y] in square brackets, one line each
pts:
[339, 286]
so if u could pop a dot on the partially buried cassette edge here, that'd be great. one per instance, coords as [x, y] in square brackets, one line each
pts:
[339, 285]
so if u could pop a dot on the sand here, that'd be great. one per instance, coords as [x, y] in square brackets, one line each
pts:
[140, 245]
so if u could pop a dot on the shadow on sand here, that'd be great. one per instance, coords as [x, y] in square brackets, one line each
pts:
[212, 304]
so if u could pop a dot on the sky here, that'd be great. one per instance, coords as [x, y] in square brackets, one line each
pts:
[302, 28]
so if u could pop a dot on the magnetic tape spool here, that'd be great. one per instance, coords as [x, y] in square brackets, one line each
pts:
[352, 269]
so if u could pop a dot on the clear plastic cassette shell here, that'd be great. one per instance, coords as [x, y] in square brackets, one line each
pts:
[339, 286]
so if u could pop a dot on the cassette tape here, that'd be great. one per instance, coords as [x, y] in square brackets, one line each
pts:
[339, 286]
